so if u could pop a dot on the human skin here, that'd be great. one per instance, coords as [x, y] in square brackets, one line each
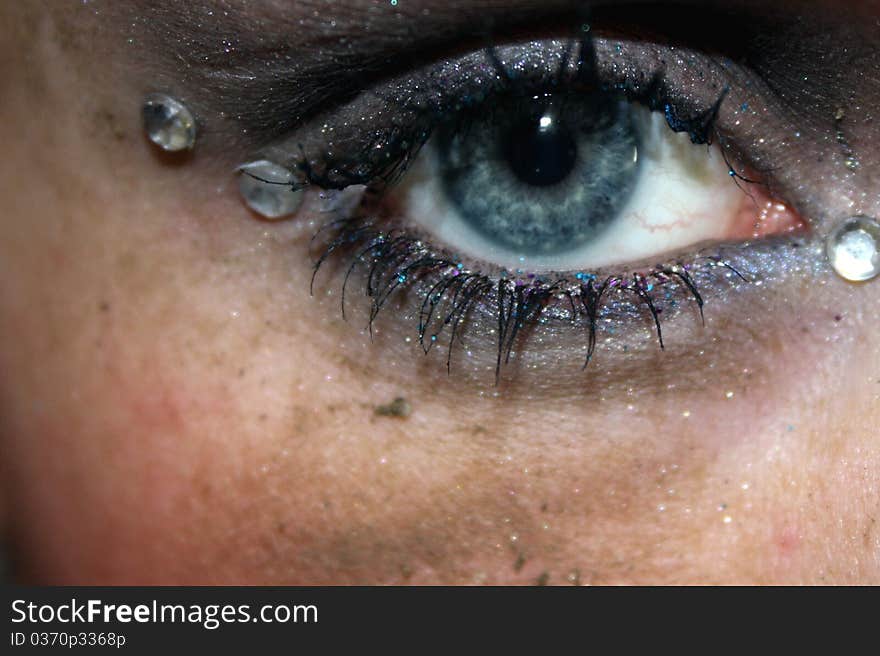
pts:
[175, 408]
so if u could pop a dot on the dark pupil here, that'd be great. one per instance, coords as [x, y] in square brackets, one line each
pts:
[541, 152]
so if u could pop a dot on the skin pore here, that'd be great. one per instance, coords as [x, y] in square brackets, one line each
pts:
[175, 408]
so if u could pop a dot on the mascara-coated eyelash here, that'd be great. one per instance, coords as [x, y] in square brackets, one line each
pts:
[371, 142]
[374, 150]
[448, 293]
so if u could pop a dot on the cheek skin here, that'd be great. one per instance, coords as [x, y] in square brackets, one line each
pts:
[190, 429]
[181, 411]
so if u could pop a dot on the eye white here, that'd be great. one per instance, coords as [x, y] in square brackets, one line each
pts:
[683, 196]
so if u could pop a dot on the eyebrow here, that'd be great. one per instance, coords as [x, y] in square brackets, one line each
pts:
[273, 64]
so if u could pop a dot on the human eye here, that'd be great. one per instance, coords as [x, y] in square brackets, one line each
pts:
[589, 189]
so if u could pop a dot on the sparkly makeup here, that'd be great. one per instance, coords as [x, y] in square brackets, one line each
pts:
[853, 249]
[509, 302]
[168, 123]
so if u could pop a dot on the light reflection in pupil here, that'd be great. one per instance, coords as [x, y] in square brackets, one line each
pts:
[541, 153]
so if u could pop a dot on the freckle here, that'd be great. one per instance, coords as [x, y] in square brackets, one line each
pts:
[543, 579]
[205, 491]
[104, 306]
[866, 536]
[787, 541]
[520, 562]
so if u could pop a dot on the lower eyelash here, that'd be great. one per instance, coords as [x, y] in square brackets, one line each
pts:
[447, 293]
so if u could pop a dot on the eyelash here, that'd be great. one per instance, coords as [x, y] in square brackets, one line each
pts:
[397, 262]
[449, 292]
[402, 143]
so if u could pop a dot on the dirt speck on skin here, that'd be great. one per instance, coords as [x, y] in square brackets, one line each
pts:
[107, 121]
[399, 408]
[543, 579]
[520, 562]
[574, 577]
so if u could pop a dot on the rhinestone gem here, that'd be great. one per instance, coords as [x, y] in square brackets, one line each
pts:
[269, 189]
[168, 123]
[854, 248]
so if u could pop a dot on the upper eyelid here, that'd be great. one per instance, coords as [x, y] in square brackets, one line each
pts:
[693, 79]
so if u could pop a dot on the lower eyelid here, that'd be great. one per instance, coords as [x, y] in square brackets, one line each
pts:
[728, 277]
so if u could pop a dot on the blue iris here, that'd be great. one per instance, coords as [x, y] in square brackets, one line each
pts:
[545, 176]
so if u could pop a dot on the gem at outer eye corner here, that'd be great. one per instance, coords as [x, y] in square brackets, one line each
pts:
[269, 189]
[853, 249]
[168, 123]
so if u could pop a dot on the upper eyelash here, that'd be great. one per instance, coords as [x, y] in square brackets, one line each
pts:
[338, 174]
[400, 143]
